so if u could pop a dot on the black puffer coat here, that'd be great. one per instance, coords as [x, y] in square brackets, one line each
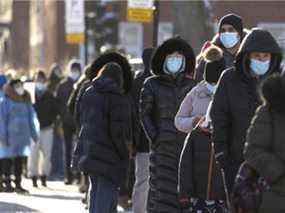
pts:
[47, 109]
[194, 168]
[160, 100]
[91, 72]
[236, 99]
[63, 92]
[105, 128]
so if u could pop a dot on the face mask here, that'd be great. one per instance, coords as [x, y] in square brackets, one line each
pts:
[40, 86]
[74, 75]
[259, 67]
[211, 88]
[229, 40]
[174, 64]
[20, 90]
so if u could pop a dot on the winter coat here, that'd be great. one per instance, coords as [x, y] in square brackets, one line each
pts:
[161, 97]
[19, 124]
[104, 141]
[75, 102]
[142, 144]
[265, 149]
[194, 104]
[47, 108]
[63, 92]
[236, 98]
[194, 168]
[162, 94]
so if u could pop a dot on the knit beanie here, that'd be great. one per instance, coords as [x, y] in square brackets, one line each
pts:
[215, 64]
[234, 20]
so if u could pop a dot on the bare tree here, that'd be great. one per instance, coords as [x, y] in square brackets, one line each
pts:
[192, 22]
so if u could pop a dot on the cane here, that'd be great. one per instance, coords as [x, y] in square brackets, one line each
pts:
[226, 190]
[210, 171]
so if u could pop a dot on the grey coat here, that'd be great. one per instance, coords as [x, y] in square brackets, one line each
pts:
[194, 104]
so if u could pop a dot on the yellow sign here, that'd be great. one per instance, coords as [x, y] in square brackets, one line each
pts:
[75, 38]
[140, 15]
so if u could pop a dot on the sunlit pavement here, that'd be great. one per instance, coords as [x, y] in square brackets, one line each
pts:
[57, 197]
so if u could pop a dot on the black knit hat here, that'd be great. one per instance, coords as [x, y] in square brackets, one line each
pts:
[234, 20]
[215, 64]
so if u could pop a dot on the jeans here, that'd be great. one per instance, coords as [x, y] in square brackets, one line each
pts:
[103, 195]
[141, 186]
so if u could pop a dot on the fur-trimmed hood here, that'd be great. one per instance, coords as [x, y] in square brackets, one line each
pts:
[10, 92]
[118, 58]
[168, 47]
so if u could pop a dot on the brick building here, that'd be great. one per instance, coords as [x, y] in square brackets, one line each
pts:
[35, 35]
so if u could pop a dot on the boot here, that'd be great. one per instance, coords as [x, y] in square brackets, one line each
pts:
[1, 184]
[35, 181]
[44, 180]
[7, 187]
[68, 178]
[19, 189]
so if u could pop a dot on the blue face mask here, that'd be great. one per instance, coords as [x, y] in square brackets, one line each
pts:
[259, 67]
[211, 88]
[174, 64]
[228, 39]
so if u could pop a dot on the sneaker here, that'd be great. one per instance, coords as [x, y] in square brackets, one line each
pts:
[21, 190]
[35, 181]
[44, 181]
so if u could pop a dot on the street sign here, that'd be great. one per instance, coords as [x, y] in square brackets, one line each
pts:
[140, 10]
[74, 21]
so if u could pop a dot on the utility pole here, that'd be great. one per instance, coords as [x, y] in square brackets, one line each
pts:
[155, 23]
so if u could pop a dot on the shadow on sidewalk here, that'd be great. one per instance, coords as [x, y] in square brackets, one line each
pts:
[57, 197]
[13, 207]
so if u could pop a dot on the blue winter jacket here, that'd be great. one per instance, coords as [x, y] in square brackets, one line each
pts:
[18, 124]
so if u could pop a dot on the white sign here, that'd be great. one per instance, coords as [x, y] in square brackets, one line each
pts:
[165, 31]
[143, 4]
[131, 38]
[74, 21]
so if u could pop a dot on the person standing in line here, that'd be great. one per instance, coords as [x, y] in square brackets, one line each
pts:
[141, 146]
[172, 65]
[19, 126]
[105, 156]
[63, 93]
[3, 81]
[47, 110]
[236, 98]
[229, 38]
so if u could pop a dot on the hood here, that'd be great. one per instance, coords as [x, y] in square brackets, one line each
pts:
[53, 76]
[146, 57]
[74, 63]
[168, 47]
[116, 58]
[258, 40]
[103, 84]
[10, 92]
[273, 92]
